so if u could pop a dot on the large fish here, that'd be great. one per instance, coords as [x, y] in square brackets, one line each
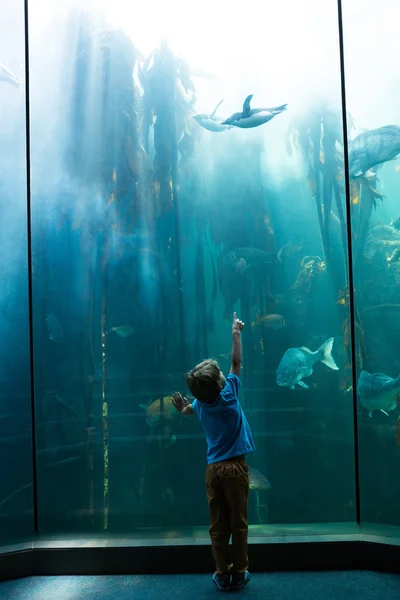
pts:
[378, 392]
[373, 148]
[257, 481]
[123, 330]
[253, 117]
[270, 321]
[153, 410]
[298, 363]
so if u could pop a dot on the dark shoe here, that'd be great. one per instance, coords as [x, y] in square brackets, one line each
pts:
[223, 582]
[239, 580]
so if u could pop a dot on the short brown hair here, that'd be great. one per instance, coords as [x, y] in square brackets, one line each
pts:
[204, 380]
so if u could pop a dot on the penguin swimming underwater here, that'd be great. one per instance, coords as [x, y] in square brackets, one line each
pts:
[253, 117]
[211, 122]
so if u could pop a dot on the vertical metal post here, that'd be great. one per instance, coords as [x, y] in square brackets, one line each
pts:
[30, 275]
[350, 254]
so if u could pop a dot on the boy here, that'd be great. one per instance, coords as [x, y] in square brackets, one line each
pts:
[229, 439]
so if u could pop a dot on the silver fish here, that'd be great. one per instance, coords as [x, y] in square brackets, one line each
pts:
[258, 481]
[373, 148]
[298, 363]
[253, 117]
[378, 392]
[271, 322]
[123, 330]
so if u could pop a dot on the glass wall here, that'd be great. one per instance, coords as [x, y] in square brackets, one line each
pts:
[263, 211]
[16, 487]
[372, 85]
[166, 196]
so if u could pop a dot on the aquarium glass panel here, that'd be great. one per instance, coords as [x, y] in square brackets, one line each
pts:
[187, 162]
[263, 232]
[374, 134]
[16, 489]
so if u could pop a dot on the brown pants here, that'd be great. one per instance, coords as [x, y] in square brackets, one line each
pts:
[227, 485]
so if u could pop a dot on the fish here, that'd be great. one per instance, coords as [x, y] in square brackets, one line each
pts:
[373, 148]
[396, 224]
[258, 481]
[271, 321]
[54, 329]
[245, 258]
[378, 392]
[123, 330]
[344, 296]
[8, 77]
[395, 256]
[226, 356]
[253, 117]
[298, 363]
[211, 122]
[153, 410]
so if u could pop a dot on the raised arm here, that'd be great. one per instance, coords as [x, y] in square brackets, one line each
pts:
[237, 327]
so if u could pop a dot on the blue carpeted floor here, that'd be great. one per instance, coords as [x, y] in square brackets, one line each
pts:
[343, 585]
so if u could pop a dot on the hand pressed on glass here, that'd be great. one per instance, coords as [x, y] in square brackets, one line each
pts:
[182, 404]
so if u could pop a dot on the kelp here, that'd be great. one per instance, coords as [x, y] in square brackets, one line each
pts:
[315, 134]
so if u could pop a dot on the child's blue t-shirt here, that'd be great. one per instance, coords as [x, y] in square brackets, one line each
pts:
[227, 431]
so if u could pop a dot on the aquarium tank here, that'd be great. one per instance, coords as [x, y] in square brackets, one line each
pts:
[163, 166]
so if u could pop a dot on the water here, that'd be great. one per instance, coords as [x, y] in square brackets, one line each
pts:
[148, 231]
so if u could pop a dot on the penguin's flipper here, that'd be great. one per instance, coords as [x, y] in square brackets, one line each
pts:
[246, 105]
[216, 108]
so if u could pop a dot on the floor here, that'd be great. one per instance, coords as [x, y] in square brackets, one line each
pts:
[277, 586]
